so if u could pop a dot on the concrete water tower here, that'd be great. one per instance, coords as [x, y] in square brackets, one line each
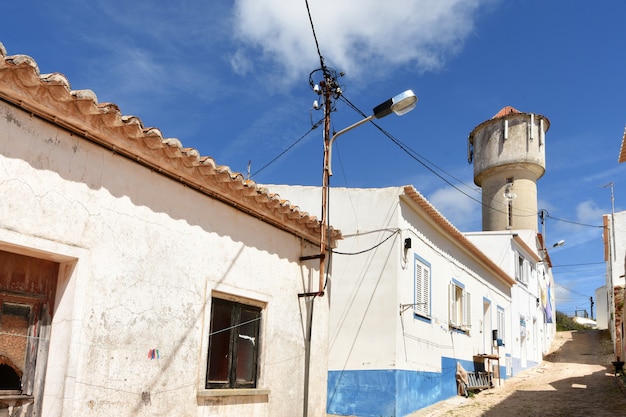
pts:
[509, 157]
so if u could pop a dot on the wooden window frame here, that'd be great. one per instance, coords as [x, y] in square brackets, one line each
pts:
[235, 340]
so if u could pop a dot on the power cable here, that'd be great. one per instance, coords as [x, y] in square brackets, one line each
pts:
[413, 154]
[420, 159]
[315, 126]
[583, 264]
[571, 291]
[317, 45]
[369, 249]
[573, 222]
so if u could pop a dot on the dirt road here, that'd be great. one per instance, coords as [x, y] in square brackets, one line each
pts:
[576, 379]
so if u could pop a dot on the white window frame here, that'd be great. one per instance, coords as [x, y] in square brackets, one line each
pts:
[459, 307]
[422, 275]
[522, 268]
[501, 323]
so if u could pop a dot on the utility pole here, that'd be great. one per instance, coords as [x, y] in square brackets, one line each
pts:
[591, 307]
[328, 89]
[612, 243]
[326, 86]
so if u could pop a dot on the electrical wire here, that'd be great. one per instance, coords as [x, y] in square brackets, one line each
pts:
[317, 45]
[315, 126]
[571, 291]
[418, 158]
[573, 222]
[584, 264]
[369, 249]
[425, 163]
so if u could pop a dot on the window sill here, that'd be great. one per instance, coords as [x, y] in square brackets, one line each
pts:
[460, 329]
[209, 393]
[14, 398]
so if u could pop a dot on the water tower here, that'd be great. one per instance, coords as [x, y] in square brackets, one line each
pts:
[509, 157]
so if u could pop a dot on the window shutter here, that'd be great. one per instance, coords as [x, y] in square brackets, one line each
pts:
[417, 298]
[422, 290]
[452, 303]
[467, 311]
[425, 301]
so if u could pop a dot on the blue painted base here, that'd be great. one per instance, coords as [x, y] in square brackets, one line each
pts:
[517, 365]
[391, 393]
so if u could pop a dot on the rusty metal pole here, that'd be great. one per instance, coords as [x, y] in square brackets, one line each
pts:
[326, 89]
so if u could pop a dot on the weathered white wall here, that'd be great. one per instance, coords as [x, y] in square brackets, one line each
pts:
[142, 255]
[363, 290]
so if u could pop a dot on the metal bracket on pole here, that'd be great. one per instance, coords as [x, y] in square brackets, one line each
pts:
[405, 307]
[308, 258]
[311, 294]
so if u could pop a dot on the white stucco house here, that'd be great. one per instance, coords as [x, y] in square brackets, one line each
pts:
[614, 239]
[410, 297]
[138, 278]
[602, 308]
[522, 254]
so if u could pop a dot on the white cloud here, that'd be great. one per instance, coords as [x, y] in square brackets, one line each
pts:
[356, 36]
[240, 63]
[464, 213]
[588, 212]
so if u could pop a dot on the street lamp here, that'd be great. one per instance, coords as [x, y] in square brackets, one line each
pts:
[400, 105]
[559, 243]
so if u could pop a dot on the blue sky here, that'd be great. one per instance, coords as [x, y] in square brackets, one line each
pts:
[231, 78]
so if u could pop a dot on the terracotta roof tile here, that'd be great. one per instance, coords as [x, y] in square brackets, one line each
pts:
[441, 222]
[505, 110]
[50, 97]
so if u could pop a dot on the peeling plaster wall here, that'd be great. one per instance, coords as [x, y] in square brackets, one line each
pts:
[140, 256]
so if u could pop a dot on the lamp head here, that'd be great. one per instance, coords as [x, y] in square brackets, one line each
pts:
[400, 105]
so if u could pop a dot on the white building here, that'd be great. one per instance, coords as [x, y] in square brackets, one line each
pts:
[522, 254]
[410, 297]
[139, 278]
[602, 308]
[614, 238]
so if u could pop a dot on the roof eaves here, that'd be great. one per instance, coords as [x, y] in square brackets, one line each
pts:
[622, 150]
[49, 97]
[532, 253]
[440, 221]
